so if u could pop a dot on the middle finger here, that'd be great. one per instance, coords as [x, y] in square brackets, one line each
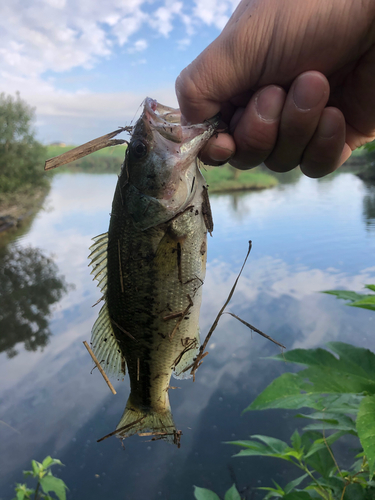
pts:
[304, 104]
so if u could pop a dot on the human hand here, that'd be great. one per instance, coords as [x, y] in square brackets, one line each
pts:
[294, 82]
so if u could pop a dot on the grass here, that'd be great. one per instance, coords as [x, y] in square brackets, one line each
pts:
[227, 178]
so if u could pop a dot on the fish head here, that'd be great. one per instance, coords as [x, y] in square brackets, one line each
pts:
[161, 158]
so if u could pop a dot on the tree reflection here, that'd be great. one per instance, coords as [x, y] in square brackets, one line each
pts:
[29, 285]
[369, 208]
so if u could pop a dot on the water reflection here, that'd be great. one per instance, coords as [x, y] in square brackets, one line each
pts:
[307, 236]
[369, 208]
[29, 286]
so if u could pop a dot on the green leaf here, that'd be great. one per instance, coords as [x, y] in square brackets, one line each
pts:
[366, 429]
[296, 440]
[357, 300]
[277, 492]
[274, 444]
[298, 495]
[344, 294]
[273, 448]
[352, 373]
[48, 462]
[368, 302]
[322, 443]
[272, 493]
[54, 484]
[232, 494]
[293, 484]
[356, 492]
[283, 392]
[23, 492]
[204, 494]
[329, 420]
[36, 467]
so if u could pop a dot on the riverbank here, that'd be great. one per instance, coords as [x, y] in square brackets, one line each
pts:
[220, 179]
[16, 207]
[227, 179]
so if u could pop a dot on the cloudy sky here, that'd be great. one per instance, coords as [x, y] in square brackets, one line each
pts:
[86, 65]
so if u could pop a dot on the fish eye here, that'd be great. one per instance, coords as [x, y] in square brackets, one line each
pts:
[139, 148]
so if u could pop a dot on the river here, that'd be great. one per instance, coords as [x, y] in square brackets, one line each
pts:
[308, 236]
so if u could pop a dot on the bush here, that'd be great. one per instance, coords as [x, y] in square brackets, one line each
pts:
[21, 155]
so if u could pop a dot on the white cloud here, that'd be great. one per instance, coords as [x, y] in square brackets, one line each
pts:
[163, 16]
[138, 46]
[59, 35]
[62, 34]
[183, 43]
[214, 12]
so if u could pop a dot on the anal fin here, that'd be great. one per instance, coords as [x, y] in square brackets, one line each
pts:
[105, 345]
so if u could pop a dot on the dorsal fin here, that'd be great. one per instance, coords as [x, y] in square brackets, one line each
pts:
[103, 340]
[98, 260]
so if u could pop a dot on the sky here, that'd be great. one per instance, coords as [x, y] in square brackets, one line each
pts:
[86, 65]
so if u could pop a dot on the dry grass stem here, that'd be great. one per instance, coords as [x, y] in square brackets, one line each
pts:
[99, 367]
[201, 354]
[172, 316]
[124, 428]
[256, 330]
[183, 314]
[85, 149]
[122, 329]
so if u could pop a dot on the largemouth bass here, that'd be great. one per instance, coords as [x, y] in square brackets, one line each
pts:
[151, 266]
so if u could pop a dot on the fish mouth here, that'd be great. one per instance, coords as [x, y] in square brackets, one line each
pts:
[166, 122]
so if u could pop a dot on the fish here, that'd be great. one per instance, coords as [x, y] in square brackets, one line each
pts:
[151, 266]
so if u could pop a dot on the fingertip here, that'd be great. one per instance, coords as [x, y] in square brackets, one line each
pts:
[346, 153]
[218, 150]
[327, 149]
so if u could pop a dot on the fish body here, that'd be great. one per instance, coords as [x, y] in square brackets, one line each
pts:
[151, 266]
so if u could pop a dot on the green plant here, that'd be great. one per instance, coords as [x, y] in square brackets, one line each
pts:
[356, 299]
[47, 482]
[21, 155]
[338, 385]
[204, 494]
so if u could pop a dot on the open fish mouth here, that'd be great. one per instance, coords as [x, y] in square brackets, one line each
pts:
[166, 122]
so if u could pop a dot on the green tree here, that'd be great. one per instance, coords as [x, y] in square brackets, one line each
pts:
[21, 155]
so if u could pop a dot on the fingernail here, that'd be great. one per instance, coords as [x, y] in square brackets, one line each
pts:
[269, 103]
[308, 91]
[328, 126]
[219, 154]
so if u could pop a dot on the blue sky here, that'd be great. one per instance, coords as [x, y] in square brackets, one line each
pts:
[86, 65]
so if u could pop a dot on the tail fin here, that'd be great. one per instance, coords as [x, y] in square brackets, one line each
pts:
[156, 424]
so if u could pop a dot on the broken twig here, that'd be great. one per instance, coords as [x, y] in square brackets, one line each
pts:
[99, 367]
[122, 329]
[183, 314]
[124, 428]
[256, 330]
[202, 348]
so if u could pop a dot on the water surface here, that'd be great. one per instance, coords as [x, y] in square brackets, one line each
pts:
[307, 237]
